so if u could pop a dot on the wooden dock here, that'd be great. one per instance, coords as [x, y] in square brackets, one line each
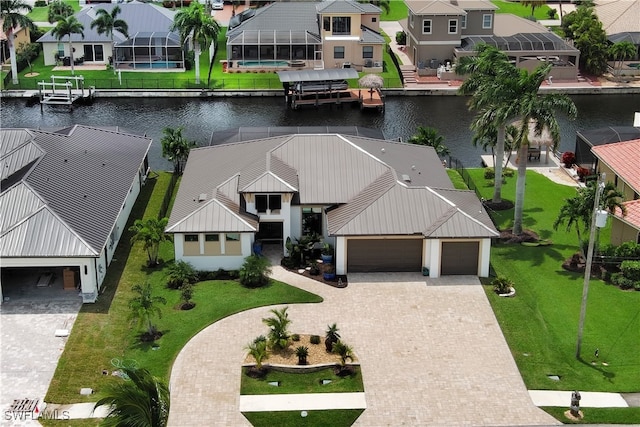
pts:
[364, 98]
[64, 90]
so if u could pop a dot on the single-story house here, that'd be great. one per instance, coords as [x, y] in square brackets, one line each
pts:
[621, 164]
[150, 45]
[65, 201]
[327, 34]
[385, 206]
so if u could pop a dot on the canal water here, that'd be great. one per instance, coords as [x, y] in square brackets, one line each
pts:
[201, 117]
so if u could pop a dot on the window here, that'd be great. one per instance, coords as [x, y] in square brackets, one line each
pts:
[311, 221]
[275, 202]
[426, 26]
[232, 237]
[261, 203]
[411, 19]
[265, 202]
[326, 23]
[211, 237]
[463, 21]
[341, 25]
[190, 237]
[60, 50]
[374, 19]
[453, 26]
[487, 21]
[367, 51]
[338, 52]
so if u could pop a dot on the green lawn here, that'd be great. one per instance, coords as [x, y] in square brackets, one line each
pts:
[599, 415]
[331, 418]
[540, 323]
[457, 180]
[292, 383]
[398, 10]
[103, 332]
[40, 14]
[517, 9]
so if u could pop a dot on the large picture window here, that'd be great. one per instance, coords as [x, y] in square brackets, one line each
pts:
[311, 221]
[341, 25]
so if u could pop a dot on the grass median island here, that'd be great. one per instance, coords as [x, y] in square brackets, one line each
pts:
[102, 331]
[540, 323]
[311, 382]
[329, 418]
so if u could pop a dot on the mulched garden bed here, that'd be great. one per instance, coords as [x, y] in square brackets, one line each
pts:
[507, 236]
[339, 282]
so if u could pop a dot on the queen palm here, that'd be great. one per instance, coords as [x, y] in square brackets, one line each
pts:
[144, 307]
[194, 23]
[13, 16]
[620, 52]
[143, 400]
[107, 23]
[175, 148]
[68, 26]
[278, 328]
[151, 233]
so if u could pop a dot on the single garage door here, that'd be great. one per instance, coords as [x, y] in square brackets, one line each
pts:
[384, 255]
[459, 258]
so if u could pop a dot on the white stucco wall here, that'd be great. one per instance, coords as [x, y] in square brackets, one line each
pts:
[340, 254]
[485, 254]
[50, 49]
[213, 263]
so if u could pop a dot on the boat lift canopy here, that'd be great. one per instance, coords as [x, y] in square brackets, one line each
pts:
[317, 75]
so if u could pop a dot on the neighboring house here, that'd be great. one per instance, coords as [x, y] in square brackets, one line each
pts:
[21, 35]
[587, 140]
[151, 45]
[328, 34]
[385, 206]
[621, 164]
[620, 21]
[440, 31]
[65, 201]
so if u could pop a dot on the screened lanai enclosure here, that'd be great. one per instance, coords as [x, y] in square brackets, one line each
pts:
[150, 51]
[278, 47]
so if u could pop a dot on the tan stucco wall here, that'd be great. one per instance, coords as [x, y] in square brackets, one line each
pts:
[622, 232]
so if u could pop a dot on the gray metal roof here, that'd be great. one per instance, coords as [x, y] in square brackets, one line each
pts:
[83, 178]
[240, 134]
[17, 151]
[318, 75]
[281, 17]
[370, 36]
[140, 17]
[353, 174]
[433, 7]
[346, 6]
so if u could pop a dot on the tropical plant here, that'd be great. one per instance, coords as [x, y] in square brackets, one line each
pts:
[186, 293]
[278, 337]
[107, 23]
[144, 307]
[143, 400]
[194, 23]
[58, 8]
[258, 350]
[315, 339]
[255, 271]
[151, 233]
[327, 249]
[385, 5]
[401, 38]
[430, 137]
[28, 52]
[331, 337]
[13, 14]
[502, 285]
[344, 351]
[176, 148]
[180, 273]
[585, 29]
[621, 51]
[302, 352]
[533, 4]
[568, 159]
[68, 26]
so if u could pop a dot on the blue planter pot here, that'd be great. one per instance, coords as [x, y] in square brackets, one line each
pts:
[329, 276]
[327, 259]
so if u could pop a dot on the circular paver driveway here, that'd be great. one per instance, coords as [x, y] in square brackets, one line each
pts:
[432, 353]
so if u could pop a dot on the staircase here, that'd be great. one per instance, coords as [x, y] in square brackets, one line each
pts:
[408, 74]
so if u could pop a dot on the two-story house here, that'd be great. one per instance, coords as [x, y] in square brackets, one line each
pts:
[440, 31]
[318, 35]
[384, 206]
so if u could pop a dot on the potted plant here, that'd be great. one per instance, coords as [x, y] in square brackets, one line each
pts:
[330, 273]
[302, 352]
[327, 253]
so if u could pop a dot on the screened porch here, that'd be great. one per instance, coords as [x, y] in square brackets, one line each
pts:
[150, 51]
[273, 45]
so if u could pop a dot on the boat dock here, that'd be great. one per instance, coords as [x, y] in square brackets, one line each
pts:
[64, 90]
[367, 100]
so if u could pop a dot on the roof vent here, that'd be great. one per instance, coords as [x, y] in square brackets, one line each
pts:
[406, 178]
[383, 150]
[202, 197]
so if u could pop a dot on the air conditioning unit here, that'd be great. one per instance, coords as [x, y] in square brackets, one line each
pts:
[346, 65]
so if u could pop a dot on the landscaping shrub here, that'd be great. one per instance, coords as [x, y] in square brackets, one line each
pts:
[622, 282]
[489, 173]
[401, 38]
[628, 250]
[315, 339]
[502, 285]
[583, 173]
[295, 337]
[40, 3]
[631, 270]
[181, 273]
[254, 272]
[568, 159]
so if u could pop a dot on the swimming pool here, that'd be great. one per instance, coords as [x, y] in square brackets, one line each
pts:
[634, 65]
[266, 63]
[156, 64]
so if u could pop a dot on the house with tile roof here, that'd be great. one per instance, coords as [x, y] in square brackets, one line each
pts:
[150, 44]
[441, 31]
[620, 21]
[327, 34]
[621, 164]
[65, 199]
[385, 206]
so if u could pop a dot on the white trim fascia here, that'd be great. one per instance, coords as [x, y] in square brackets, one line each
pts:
[441, 43]
[274, 176]
[236, 215]
[341, 38]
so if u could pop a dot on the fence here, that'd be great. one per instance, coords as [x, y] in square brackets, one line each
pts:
[459, 167]
[394, 59]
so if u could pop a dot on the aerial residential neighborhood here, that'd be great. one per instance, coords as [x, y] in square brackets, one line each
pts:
[396, 212]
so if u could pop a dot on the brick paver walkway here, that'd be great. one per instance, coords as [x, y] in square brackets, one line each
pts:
[431, 354]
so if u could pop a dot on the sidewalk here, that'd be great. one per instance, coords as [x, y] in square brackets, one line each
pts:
[589, 399]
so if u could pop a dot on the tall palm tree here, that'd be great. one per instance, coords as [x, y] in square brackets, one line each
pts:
[175, 148]
[58, 8]
[541, 111]
[278, 328]
[68, 26]
[430, 137]
[144, 307]
[201, 28]
[151, 233]
[12, 13]
[142, 401]
[491, 84]
[620, 52]
[107, 23]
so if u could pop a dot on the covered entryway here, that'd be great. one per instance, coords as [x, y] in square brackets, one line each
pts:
[459, 258]
[375, 255]
[270, 232]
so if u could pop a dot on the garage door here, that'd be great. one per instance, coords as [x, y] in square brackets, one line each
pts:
[384, 255]
[459, 258]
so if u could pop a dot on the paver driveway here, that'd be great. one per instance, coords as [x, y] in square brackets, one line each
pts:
[432, 353]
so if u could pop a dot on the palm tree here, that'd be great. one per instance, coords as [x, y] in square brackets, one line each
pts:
[331, 337]
[151, 233]
[345, 352]
[144, 307]
[620, 52]
[203, 30]
[430, 137]
[58, 8]
[541, 111]
[533, 4]
[181, 273]
[12, 13]
[278, 328]
[491, 85]
[107, 23]
[385, 5]
[144, 400]
[68, 26]
[258, 350]
[175, 148]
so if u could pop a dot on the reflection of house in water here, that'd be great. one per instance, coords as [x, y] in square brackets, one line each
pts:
[586, 140]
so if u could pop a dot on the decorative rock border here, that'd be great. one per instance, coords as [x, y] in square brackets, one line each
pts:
[298, 369]
[511, 293]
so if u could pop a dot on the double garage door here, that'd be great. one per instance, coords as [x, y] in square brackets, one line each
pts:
[365, 256]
